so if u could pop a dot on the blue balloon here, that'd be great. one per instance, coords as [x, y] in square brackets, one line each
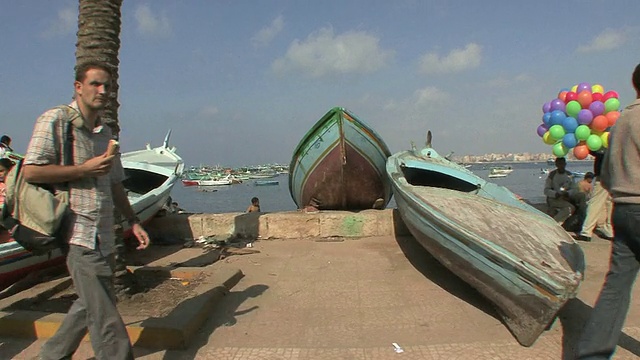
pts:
[557, 116]
[546, 119]
[569, 140]
[570, 124]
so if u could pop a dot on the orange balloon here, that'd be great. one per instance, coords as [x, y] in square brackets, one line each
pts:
[612, 116]
[585, 99]
[581, 151]
[563, 96]
[599, 123]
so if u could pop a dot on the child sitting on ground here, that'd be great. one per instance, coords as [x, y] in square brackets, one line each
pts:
[255, 205]
[5, 165]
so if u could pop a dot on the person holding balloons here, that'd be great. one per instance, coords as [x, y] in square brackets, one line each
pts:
[620, 174]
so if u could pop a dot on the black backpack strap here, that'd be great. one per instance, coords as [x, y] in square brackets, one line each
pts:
[72, 118]
[68, 144]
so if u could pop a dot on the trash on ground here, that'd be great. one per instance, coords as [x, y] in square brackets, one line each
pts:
[397, 348]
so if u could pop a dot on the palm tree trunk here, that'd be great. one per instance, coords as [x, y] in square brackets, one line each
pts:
[99, 40]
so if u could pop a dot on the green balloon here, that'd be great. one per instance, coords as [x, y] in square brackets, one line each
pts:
[560, 150]
[594, 142]
[556, 132]
[582, 132]
[611, 105]
[573, 108]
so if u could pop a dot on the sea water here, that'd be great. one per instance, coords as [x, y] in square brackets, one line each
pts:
[526, 180]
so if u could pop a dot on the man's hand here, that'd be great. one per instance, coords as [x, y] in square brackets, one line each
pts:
[97, 166]
[141, 235]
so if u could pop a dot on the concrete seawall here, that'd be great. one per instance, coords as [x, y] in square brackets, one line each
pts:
[282, 225]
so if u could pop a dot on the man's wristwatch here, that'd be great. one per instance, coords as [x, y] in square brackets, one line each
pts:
[133, 220]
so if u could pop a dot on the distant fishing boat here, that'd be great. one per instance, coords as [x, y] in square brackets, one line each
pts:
[497, 175]
[266, 182]
[339, 165]
[516, 256]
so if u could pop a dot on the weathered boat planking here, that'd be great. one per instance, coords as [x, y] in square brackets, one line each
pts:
[513, 254]
[339, 165]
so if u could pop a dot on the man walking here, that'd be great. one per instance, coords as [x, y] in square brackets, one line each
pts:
[95, 183]
[620, 174]
[599, 206]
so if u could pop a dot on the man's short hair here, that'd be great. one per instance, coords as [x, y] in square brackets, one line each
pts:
[589, 175]
[254, 200]
[561, 160]
[5, 139]
[636, 77]
[81, 70]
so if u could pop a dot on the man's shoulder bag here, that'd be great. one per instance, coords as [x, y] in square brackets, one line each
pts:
[35, 214]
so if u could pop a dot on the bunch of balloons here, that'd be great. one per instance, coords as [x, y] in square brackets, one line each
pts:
[579, 119]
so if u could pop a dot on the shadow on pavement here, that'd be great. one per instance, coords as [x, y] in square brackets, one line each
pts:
[428, 266]
[225, 314]
[573, 317]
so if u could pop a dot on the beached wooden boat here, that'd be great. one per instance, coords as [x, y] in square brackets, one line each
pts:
[339, 165]
[516, 256]
[150, 176]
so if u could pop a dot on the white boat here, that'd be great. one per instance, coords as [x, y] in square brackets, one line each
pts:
[150, 176]
[497, 175]
[501, 170]
[227, 180]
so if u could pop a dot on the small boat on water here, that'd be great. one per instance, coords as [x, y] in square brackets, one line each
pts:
[501, 170]
[226, 180]
[150, 174]
[339, 165]
[513, 254]
[266, 182]
[497, 175]
[189, 182]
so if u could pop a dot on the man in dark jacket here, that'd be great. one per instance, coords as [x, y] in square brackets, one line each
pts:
[620, 174]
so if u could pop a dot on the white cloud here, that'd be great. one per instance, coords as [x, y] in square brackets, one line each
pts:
[503, 81]
[66, 23]
[425, 99]
[609, 39]
[324, 53]
[150, 24]
[456, 61]
[267, 34]
[208, 112]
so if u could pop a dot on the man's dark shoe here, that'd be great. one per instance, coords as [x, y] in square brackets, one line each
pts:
[603, 236]
[582, 237]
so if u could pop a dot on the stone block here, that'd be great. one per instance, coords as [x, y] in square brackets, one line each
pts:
[348, 224]
[292, 225]
[218, 224]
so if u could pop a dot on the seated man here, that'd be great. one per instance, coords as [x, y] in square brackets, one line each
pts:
[561, 192]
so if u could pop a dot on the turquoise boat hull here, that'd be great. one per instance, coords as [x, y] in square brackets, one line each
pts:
[513, 254]
[339, 165]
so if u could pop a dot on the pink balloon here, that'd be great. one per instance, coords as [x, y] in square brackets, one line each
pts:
[608, 95]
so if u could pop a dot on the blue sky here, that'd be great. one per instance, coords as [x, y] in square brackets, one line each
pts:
[240, 82]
